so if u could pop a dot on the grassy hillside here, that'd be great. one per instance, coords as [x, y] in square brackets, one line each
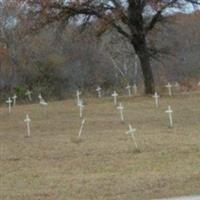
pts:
[54, 164]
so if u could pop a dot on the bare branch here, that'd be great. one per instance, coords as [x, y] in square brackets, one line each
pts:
[158, 16]
[116, 66]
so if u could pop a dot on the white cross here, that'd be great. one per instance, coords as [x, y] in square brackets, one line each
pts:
[115, 95]
[81, 107]
[99, 91]
[81, 128]
[43, 102]
[169, 87]
[28, 121]
[121, 109]
[128, 87]
[28, 94]
[156, 97]
[169, 111]
[40, 97]
[177, 85]
[78, 93]
[9, 102]
[14, 100]
[132, 131]
[135, 89]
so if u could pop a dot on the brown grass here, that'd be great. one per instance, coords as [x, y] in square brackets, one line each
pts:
[54, 165]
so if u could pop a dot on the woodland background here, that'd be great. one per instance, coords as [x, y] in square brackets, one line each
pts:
[59, 59]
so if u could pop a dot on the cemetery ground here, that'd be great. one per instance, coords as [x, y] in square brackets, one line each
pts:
[53, 164]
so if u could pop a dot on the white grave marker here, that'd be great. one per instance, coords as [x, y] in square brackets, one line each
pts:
[115, 95]
[177, 85]
[28, 121]
[121, 109]
[81, 128]
[169, 111]
[29, 95]
[81, 107]
[135, 89]
[132, 131]
[169, 87]
[9, 102]
[99, 91]
[128, 87]
[42, 101]
[78, 93]
[40, 97]
[14, 100]
[156, 97]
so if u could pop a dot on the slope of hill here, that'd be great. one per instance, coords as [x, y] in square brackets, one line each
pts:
[103, 164]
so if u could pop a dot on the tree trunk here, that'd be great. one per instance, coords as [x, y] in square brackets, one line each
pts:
[138, 40]
[147, 74]
[140, 47]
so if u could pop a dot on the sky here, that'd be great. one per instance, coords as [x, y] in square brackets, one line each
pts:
[186, 8]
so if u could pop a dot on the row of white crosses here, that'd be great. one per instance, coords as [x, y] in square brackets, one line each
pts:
[132, 131]
[169, 111]
[81, 106]
[28, 93]
[27, 120]
[120, 107]
[41, 99]
[128, 87]
[169, 87]
[10, 102]
[135, 89]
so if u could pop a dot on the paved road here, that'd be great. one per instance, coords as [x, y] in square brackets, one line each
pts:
[183, 198]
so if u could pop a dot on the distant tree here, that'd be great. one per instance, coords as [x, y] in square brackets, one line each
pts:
[128, 17]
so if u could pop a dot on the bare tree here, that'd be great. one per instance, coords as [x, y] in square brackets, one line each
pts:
[127, 17]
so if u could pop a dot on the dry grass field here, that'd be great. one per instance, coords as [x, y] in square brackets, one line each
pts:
[54, 165]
